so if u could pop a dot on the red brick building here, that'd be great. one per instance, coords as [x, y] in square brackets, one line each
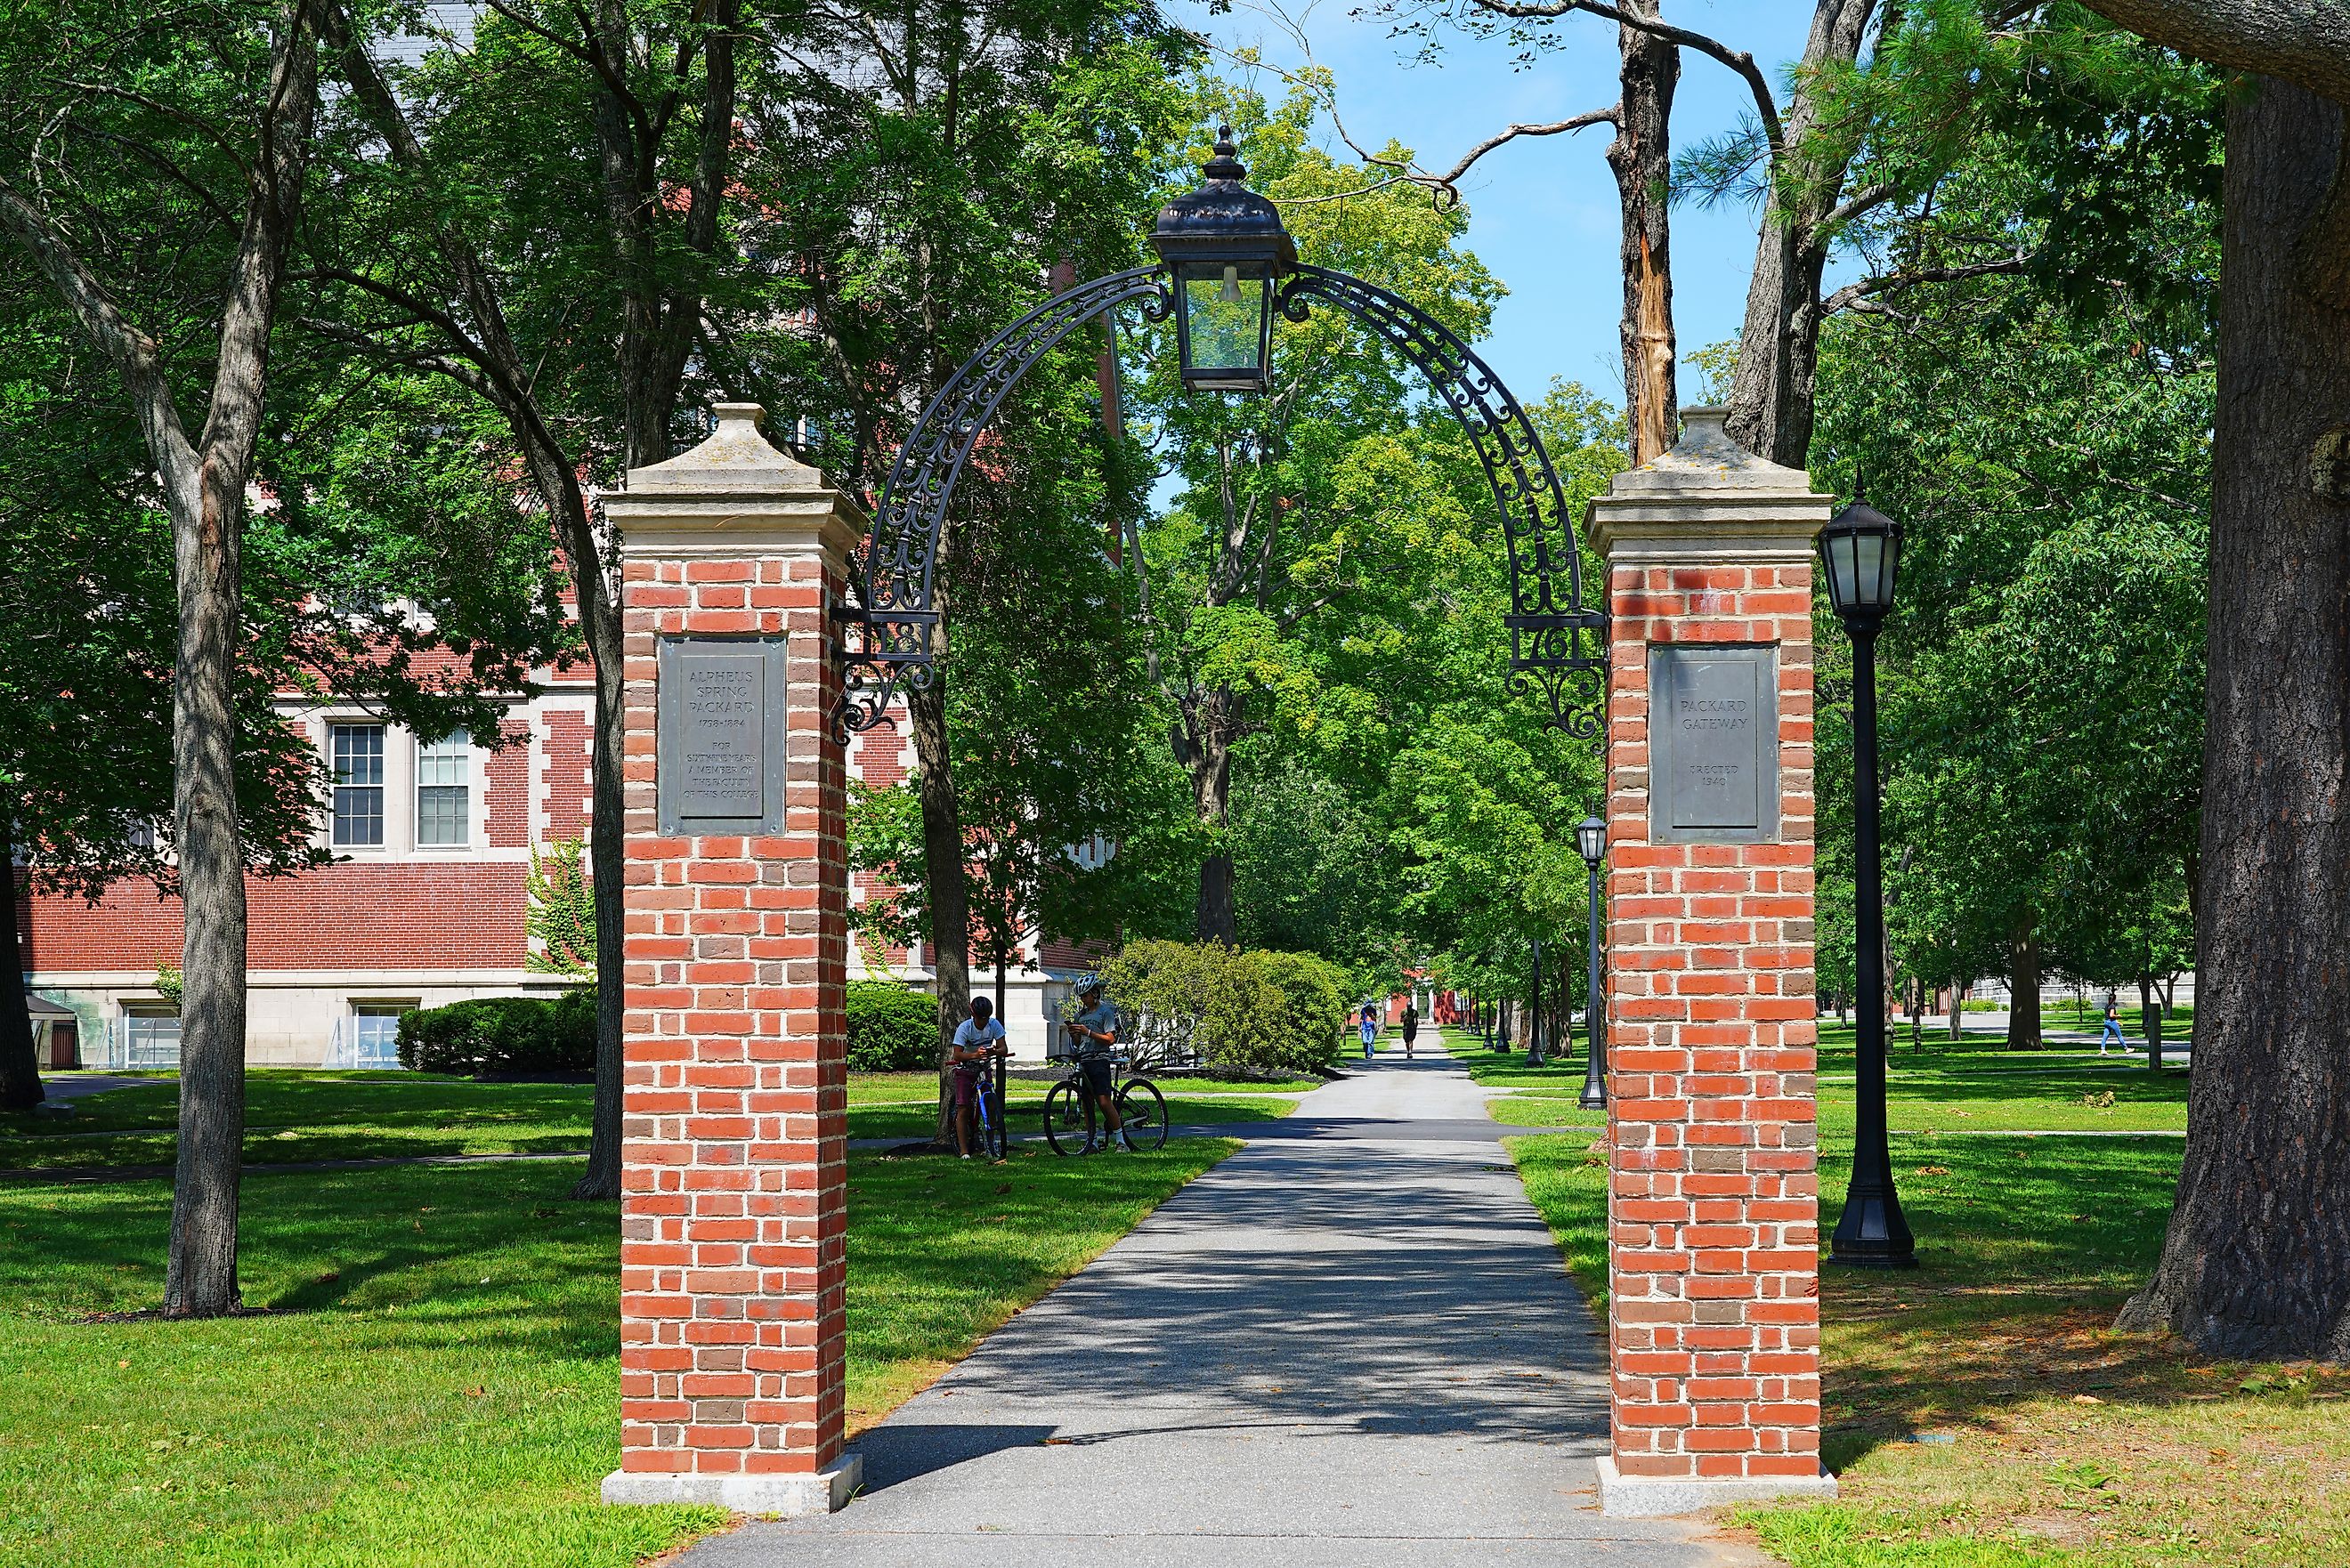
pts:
[424, 904]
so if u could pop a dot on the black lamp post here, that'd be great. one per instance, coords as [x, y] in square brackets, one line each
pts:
[1861, 551]
[1591, 838]
[1228, 251]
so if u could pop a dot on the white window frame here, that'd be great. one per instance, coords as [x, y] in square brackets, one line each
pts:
[461, 746]
[383, 785]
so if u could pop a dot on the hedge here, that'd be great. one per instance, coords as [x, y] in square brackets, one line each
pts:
[1262, 1012]
[892, 1028]
[523, 1035]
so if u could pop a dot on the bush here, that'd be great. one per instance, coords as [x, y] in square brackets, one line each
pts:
[522, 1035]
[1314, 992]
[892, 1028]
[1263, 1011]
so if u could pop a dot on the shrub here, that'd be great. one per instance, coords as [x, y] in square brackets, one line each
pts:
[891, 1027]
[1264, 1012]
[503, 1034]
[1314, 991]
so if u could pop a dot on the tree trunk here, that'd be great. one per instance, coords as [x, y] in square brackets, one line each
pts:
[2256, 1263]
[1958, 1010]
[945, 860]
[207, 542]
[608, 858]
[20, 1066]
[1642, 157]
[1209, 760]
[1772, 390]
[2150, 1015]
[202, 1278]
[2024, 986]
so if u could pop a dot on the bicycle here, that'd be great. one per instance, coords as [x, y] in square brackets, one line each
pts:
[994, 1139]
[1069, 1110]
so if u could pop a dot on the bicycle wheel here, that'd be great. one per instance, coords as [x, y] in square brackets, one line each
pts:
[1143, 1109]
[1068, 1119]
[989, 1115]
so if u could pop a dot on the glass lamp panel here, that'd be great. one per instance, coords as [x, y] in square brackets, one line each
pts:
[1224, 312]
[1843, 589]
[1891, 571]
[1591, 837]
[1868, 571]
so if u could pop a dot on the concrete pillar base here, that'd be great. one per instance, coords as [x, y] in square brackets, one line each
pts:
[826, 1490]
[1659, 1497]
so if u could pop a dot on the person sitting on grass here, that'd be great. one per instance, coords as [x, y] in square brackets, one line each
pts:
[1094, 1031]
[977, 1040]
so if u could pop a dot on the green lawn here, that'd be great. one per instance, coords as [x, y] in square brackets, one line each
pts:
[1967, 1092]
[436, 1382]
[1981, 1413]
[296, 1117]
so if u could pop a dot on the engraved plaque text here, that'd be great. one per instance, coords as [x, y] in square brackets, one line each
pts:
[718, 764]
[1713, 717]
[721, 752]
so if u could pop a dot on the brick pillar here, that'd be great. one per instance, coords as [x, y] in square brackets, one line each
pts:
[733, 1185]
[1713, 1203]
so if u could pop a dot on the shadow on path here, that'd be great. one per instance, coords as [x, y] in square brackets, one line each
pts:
[1352, 1343]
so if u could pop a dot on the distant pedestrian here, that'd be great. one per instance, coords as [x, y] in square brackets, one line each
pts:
[1411, 1027]
[1370, 1027]
[2113, 1031]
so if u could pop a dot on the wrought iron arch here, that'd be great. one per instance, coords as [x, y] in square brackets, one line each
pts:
[1558, 645]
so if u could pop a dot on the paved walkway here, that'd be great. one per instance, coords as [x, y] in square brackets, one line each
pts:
[1349, 1347]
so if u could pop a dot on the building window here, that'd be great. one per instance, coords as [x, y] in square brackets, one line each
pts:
[359, 782]
[151, 1037]
[373, 1034]
[444, 772]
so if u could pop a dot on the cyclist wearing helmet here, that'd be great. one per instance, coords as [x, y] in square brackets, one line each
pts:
[1094, 1031]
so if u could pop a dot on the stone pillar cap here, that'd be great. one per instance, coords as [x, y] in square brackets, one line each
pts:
[1708, 495]
[736, 493]
[1705, 457]
[735, 459]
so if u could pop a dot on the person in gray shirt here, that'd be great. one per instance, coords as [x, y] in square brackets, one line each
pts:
[1094, 1031]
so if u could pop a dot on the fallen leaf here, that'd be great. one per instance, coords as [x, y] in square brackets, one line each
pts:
[2086, 1399]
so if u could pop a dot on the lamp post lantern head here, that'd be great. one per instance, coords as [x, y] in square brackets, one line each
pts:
[1591, 838]
[1228, 251]
[1861, 550]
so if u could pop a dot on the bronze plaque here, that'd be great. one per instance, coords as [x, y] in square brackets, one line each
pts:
[1713, 744]
[719, 764]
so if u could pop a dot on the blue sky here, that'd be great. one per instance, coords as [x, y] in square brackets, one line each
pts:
[1543, 208]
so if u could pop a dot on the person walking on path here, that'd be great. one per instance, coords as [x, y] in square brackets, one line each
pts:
[2113, 1030]
[1411, 1027]
[1370, 1029]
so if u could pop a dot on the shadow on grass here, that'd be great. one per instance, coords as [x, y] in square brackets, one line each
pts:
[2026, 1247]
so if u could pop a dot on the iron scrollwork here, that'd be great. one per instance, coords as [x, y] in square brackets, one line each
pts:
[1558, 646]
[886, 637]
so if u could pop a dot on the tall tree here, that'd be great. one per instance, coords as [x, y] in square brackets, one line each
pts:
[571, 301]
[1276, 551]
[2256, 1262]
[245, 130]
[922, 173]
